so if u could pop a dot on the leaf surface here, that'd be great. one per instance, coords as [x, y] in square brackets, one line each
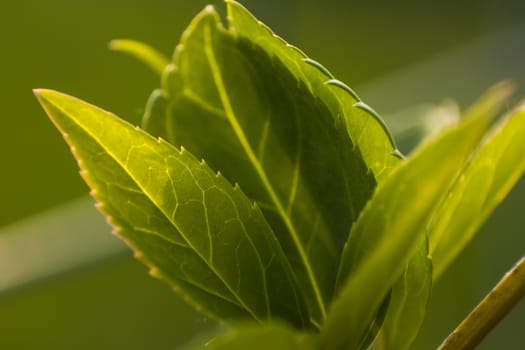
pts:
[297, 141]
[408, 301]
[387, 233]
[188, 224]
[366, 128]
[489, 176]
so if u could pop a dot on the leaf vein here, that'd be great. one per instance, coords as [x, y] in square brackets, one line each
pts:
[198, 100]
[230, 114]
[121, 162]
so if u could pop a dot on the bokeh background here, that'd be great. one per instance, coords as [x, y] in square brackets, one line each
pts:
[395, 54]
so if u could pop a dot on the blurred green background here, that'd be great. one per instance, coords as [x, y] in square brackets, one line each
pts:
[395, 54]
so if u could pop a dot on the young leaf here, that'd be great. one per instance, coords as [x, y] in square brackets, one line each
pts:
[187, 223]
[393, 222]
[274, 336]
[274, 121]
[143, 52]
[490, 175]
[410, 294]
[408, 301]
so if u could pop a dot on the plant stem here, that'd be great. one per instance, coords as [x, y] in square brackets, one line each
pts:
[507, 293]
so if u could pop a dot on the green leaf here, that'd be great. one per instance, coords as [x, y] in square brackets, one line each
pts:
[297, 141]
[408, 301]
[143, 52]
[489, 176]
[393, 222]
[274, 336]
[188, 224]
[366, 128]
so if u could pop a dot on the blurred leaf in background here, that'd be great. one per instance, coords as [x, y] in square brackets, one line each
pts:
[396, 55]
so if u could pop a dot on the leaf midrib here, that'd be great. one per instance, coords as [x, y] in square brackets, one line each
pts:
[230, 114]
[192, 283]
[187, 280]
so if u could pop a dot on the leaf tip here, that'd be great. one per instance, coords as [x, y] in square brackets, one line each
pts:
[115, 44]
[43, 93]
[209, 9]
[40, 95]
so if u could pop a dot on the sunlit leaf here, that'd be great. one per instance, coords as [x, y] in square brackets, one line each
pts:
[331, 231]
[194, 229]
[490, 175]
[296, 140]
[408, 301]
[394, 221]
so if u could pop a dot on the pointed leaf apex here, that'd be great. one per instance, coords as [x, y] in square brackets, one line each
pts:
[209, 9]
